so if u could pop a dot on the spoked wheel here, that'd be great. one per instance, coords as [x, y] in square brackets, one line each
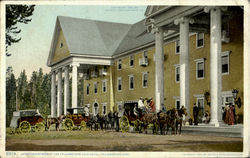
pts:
[25, 127]
[137, 125]
[83, 126]
[124, 124]
[40, 127]
[68, 124]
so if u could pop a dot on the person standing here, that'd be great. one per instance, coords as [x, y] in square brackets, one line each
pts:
[152, 105]
[195, 114]
[140, 106]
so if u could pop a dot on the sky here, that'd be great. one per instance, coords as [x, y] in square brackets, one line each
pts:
[32, 51]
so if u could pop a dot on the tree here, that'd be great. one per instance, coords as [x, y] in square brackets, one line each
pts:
[22, 91]
[16, 14]
[10, 94]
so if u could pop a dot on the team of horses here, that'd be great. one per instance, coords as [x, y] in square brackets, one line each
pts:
[172, 118]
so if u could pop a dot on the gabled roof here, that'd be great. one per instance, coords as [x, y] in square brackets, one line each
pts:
[92, 37]
[99, 38]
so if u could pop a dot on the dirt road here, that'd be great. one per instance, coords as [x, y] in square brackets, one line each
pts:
[114, 141]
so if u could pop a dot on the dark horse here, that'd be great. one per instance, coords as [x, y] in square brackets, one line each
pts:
[167, 120]
[54, 120]
[149, 118]
[111, 120]
[182, 111]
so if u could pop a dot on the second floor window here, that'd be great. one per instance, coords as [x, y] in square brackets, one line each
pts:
[131, 63]
[177, 47]
[177, 74]
[131, 82]
[119, 83]
[145, 80]
[95, 87]
[104, 86]
[199, 40]
[225, 64]
[87, 90]
[119, 64]
[200, 69]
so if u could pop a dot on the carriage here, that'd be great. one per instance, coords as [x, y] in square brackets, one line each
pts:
[75, 117]
[131, 119]
[27, 120]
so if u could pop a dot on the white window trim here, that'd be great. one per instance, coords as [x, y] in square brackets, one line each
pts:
[119, 78]
[88, 85]
[225, 94]
[143, 73]
[197, 41]
[95, 83]
[131, 76]
[105, 84]
[122, 109]
[176, 47]
[130, 60]
[201, 60]
[176, 66]
[118, 62]
[225, 53]
[104, 104]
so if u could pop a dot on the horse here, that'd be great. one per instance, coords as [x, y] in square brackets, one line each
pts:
[149, 118]
[180, 112]
[111, 120]
[166, 119]
[54, 120]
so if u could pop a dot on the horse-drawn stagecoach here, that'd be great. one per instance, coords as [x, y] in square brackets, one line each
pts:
[27, 120]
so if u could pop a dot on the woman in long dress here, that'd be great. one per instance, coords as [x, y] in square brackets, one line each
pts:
[231, 115]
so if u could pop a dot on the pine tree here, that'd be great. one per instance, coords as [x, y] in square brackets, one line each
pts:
[22, 91]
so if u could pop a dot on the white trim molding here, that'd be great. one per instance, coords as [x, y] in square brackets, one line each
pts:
[198, 61]
[203, 38]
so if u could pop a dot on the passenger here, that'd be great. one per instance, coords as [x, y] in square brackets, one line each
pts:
[140, 106]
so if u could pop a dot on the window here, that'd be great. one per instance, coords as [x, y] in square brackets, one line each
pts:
[119, 83]
[61, 44]
[120, 109]
[131, 82]
[87, 90]
[144, 79]
[95, 109]
[145, 55]
[95, 87]
[225, 64]
[104, 86]
[177, 46]
[199, 40]
[177, 104]
[200, 103]
[131, 63]
[119, 64]
[200, 68]
[104, 108]
[177, 73]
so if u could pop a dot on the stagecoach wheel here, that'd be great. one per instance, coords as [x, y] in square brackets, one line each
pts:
[137, 125]
[25, 127]
[124, 124]
[83, 125]
[39, 127]
[68, 124]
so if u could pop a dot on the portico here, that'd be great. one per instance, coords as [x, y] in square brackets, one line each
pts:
[185, 21]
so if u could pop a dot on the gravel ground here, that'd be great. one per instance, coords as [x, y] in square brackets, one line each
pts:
[118, 141]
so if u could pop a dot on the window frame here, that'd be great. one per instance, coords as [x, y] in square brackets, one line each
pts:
[104, 105]
[131, 76]
[95, 87]
[177, 100]
[119, 62]
[131, 58]
[143, 77]
[202, 60]
[87, 89]
[177, 66]
[203, 43]
[104, 81]
[223, 54]
[119, 78]
[176, 47]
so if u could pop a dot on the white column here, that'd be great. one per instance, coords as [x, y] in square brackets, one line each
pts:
[66, 89]
[53, 94]
[59, 92]
[246, 146]
[184, 62]
[215, 65]
[159, 68]
[74, 85]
